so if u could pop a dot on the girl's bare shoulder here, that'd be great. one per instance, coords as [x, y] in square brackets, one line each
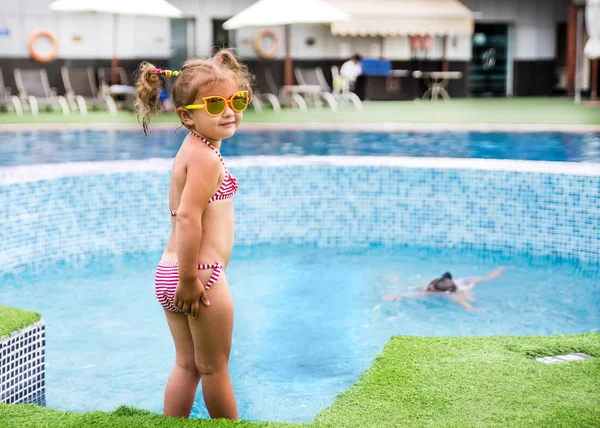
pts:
[193, 156]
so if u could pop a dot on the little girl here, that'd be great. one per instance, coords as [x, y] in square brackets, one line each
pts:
[209, 96]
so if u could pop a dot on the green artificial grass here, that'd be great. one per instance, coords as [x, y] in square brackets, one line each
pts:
[556, 111]
[424, 382]
[12, 319]
[474, 382]
[31, 416]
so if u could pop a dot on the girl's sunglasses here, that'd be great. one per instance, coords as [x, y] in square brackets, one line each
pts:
[215, 105]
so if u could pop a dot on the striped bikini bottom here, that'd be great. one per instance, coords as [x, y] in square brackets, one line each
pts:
[167, 277]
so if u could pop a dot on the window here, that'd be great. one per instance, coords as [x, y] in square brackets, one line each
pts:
[221, 36]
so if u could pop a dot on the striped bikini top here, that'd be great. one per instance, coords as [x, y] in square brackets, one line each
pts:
[229, 185]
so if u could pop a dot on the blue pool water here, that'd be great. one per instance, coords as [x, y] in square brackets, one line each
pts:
[25, 148]
[308, 321]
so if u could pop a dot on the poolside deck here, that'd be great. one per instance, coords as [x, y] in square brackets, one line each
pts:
[541, 113]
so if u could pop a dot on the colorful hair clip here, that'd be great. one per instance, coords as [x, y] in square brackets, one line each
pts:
[219, 59]
[168, 73]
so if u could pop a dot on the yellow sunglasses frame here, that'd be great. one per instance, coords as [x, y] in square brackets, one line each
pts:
[227, 101]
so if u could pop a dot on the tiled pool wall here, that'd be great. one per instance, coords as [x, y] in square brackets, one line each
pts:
[328, 205]
[22, 371]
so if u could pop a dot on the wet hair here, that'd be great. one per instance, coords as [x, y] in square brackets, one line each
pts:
[444, 283]
[195, 75]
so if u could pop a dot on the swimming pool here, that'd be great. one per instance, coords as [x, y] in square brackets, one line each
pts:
[311, 248]
[35, 147]
[308, 320]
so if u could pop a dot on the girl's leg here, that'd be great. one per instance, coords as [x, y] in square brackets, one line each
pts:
[492, 275]
[461, 301]
[183, 381]
[211, 333]
[496, 273]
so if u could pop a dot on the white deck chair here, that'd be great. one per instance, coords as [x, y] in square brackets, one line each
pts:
[7, 99]
[315, 77]
[123, 88]
[343, 93]
[34, 88]
[283, 98]
[264, 92]
[82, 91]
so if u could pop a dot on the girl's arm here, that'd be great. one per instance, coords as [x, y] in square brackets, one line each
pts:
[202, 176]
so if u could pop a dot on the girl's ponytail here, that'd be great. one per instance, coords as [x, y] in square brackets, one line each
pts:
[147, 92]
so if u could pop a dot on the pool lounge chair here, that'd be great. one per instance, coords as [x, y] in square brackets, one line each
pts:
[343, 94]
[283, 97]
[314, 78]
[82, 91]
[35, 89]
[7, 99]
[122, 88]
[264, 92]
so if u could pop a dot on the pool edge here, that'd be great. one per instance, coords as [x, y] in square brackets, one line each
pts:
[325, 126]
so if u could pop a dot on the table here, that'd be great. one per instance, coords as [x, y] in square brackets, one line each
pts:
[438, 82]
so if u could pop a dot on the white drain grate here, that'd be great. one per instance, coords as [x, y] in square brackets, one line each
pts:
[564, 358]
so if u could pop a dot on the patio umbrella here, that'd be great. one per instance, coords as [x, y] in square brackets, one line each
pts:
[592, 47]
[160, 8]
[286, 12]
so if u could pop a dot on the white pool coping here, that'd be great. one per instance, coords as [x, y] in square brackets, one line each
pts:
[317, 126]
[51, 171]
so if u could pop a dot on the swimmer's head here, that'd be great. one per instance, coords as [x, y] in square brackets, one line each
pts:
[442, 284]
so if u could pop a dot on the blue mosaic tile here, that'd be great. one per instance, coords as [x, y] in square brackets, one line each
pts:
[545, 214]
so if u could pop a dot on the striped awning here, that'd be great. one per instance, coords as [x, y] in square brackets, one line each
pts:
[403, 17]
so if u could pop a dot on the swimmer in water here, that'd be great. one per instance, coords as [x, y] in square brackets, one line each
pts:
[459, 290]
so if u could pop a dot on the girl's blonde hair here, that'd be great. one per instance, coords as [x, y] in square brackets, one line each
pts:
[195, 75]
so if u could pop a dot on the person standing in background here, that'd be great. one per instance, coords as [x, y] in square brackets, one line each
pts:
[351, 69]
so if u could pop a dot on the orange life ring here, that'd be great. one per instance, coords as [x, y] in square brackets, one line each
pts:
[50, 56]
[258, 48]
